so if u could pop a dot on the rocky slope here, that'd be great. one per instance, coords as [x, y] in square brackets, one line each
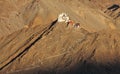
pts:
[32, 41]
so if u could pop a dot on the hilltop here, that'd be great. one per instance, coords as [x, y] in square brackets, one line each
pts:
[32, 41]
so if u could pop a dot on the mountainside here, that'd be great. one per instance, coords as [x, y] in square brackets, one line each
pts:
[33, 42]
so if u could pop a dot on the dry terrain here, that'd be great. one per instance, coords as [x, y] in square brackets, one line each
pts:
[33, 42]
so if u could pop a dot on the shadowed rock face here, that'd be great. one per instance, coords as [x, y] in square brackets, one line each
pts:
[32, 41]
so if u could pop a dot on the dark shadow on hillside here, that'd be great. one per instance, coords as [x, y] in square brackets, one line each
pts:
[85, 68]
[46, 31]
[110, 10]
[113, 8]
[118, 15]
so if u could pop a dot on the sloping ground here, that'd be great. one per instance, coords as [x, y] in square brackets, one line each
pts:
[65, 50]
[13, 17]
[103, 5]
[36, 41]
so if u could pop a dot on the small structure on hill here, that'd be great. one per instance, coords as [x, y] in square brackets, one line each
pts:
[77, 25]
[63, 17]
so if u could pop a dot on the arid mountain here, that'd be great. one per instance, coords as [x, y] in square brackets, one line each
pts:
[33, 42]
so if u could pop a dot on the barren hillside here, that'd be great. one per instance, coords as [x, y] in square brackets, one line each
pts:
[33, 42]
